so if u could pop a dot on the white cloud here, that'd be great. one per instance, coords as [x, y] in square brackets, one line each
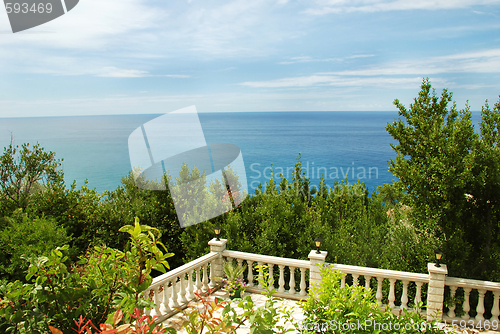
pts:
[323, 7]
[113, 72]
[485, 61]
[338, 81]
[125, 33]
[307, 59]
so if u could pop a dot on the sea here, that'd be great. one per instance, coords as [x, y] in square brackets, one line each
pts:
[334, 145]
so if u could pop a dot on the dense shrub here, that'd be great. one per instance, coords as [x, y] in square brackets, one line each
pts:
[22, 238]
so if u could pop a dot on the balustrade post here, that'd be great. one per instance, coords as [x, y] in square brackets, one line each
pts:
[314, 270]
[435, 293]
[217, 265]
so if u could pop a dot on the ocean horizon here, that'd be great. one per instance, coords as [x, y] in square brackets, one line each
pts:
[333, 145]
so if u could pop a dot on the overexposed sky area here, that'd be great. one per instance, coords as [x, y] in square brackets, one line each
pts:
[156, 56]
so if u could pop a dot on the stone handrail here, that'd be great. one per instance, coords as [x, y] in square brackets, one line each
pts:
[290, 265]
[379, 275]
[482, 287]
[376, 272]
[175, 289]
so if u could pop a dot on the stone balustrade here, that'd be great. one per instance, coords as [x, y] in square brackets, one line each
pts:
[374, 278]
[296, 270]
[393, 288]
[472, 310]
[176, 288]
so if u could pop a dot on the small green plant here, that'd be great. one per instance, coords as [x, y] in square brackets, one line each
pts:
[232, 282]
[264, 319]
[330, 309]
[202, 319]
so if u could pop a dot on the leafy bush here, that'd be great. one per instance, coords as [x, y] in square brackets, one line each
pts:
[104, 281]
[24, 238]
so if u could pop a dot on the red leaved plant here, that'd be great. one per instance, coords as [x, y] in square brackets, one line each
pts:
[142, 324]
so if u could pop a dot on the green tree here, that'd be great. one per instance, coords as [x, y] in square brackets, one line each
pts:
[449, 175]
[23, 172]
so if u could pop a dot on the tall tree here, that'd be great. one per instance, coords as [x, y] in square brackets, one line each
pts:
[25, 170]
[449, 174]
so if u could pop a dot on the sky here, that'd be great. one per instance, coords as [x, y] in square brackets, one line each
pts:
[154, 56]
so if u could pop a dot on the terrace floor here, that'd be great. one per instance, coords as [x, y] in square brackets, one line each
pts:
[259, 300]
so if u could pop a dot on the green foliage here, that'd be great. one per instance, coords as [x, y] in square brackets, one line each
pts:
[264, 319]
[102, 282]
[356, 229]
[202, 319]
[76, 210]
[23, 172]
[232, 271]
[153, 208]
[24, 238]
[329, 306]
[232, 282]
[450, 177]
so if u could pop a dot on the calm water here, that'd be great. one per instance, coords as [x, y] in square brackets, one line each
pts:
[332, 144]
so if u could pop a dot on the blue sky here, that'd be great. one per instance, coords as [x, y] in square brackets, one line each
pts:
[151, 56]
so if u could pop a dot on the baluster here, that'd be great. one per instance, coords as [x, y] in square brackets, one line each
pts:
[418, 295]
[480, 306]
[451, 311]
[182, 291]
[282, 279]
[156, 300]
[198, 279]
[261, 275]
[271, 276]
[240, 264]
[303, 281]
[355, 279]
[367, 281]
[292, 281]
[174, 292]
[495, 312]
[392, 297]
[211, 277]
[380, 280]
[404, 296]
[205, 277]
[466, 306]
[342, 282]
[166, 300]
[250, 273]
[190, 294]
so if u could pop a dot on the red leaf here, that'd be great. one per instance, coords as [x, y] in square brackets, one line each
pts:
[54, 330]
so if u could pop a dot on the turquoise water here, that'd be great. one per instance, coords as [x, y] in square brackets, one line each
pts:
[332, 144]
